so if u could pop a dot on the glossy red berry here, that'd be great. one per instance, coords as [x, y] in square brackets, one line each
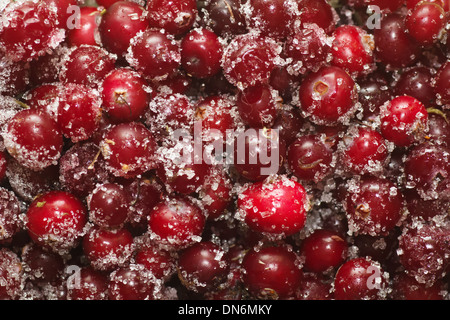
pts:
[93, 285]
[427, 170]
[394, 47]
[176, 222]
[202, 266]
[365, 151]
[79, 112]
[154, 53]
[271, 272]
[360, 279]
[28, 29]
[87, 65]
[425, 22]
[131, 18]
[34, 139]
[108, 249]
[403, 120]
[277, 206]
[86, 33]
[128, 149]
[374, 206]
[352, 50]
[125, 95]
[323, 250]
[257, 106]
[201, 53]
[108, 205]
[42, 265]
[310, 158]
[328, 96]
[56, 220]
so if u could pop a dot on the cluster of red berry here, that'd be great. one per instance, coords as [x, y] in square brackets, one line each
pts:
[96, 204]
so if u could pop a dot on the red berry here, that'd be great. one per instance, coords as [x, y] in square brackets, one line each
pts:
[87, 65]
[86, 34]
[249, 59]
[125, 95]
[323, 250]
[34, 139]
[28, 29]
[271, 272]
[79, 112]
[108, 205]
[425, 22]
[257, 106]
[365, 151]
[328, 96]
[174, 16]
[201, 53]
[352, 50]
[176, 222]
[108, 249]
[128, 149]
[11, 272]
[309, 158]
[93, 285]
[360, 279]
[403, 120]
[56, 220]
[202, 266]
[154, 54]
[158, 262]
[394, 47]
[131, 18]
[374, 206]
[275, 206]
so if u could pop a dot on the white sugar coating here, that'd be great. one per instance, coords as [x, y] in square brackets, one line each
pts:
[9, 106]
[10, 211]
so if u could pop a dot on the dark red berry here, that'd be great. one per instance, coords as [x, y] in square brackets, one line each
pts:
[202, 266]
[93, 285]
[393, 45]
[108, 205]
[257, 106]
[360, 279]
[249, 60]
[201, 53]
[174, 16]
[323, 250]
[310, 158]
[108, 249]
[271, 272]
[119, 24]
[154, 53]
[128, 149]
[176, 222]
